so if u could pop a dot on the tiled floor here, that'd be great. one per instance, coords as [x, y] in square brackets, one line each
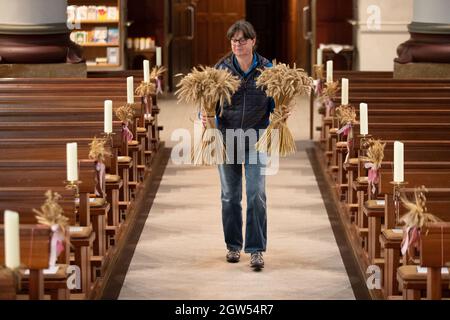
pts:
[181, 252]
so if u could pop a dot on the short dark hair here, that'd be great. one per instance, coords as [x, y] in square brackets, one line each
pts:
[246, 27]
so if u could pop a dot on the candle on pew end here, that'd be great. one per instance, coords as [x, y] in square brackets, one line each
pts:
[363, 119]
[344, 91]
[158, 56]
[12, 240]
[146, 71]
[108, 116]
[319, 56]
[130, 90]
[329, 71]
[398, 161]
[72, 161]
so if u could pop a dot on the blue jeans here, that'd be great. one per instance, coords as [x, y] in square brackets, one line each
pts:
[231, 195]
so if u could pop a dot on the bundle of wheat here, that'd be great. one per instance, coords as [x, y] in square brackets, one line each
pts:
[206, 87]
[414, 220]
[283, 84]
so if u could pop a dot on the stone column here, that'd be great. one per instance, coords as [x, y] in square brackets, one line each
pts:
[35, 31]
[430, 34]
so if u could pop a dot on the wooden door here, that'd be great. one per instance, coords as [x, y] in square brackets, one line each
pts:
[280, 28]
[213, 18]
[182, 44]
[330, 21]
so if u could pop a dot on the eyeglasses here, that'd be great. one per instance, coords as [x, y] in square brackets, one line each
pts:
[240, 41]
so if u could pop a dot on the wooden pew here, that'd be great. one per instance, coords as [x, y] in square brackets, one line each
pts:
[51, 175]
[438, 202]
[55, 149]
[23, 97]
[434, 253]
[34, 255]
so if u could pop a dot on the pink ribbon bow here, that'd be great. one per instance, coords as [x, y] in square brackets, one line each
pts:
[101, 169]
[329, 104]
[126, 133]
[318, 87]
[158, 85]
[372, 176]
[345, 129]
[410, 240]
[56, 244]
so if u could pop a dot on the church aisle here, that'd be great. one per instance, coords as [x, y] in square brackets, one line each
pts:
[181, 252]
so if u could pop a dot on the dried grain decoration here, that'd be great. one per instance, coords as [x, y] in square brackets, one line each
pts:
[283, 84]
[51, 212]
[346, 114]
[206, 87]
[125, 113]
[414, 220]
[375, 152]
[97, 151]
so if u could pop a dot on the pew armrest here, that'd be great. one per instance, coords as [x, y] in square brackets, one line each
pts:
[77, 232]
[372, 209]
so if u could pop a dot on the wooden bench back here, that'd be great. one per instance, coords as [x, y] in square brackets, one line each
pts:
[24, 199]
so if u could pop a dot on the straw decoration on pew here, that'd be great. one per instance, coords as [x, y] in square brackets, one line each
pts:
[151, 87]
[156, 74]
[318, 72]
[206, 87]
[51, 215]
[283, 84]
[414, 219]
[98, 153]
[145, 89]
[374, 158]
[318, 83]
[125, 114]
[328, 93]
[346, 115]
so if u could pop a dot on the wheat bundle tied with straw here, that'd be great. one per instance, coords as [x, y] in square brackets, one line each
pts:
[157, 71]
[149, 88]
[283, 84]
[417, 214]
[205, 87]
[375, 152]
[97, 151]
[375, 155]
[146, 89]
[51, 212]
[329, 92]
[414, 220]
[125, 113]
[51, 215]
[346, 114]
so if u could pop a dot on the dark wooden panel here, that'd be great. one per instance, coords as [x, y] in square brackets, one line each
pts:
[213, 18]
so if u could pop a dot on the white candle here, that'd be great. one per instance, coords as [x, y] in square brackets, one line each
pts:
[158, 56]
[108, 116]
[329, 71]
[344, 91]
[12, 239]
[72, 161]
[319, 56]
[398, 161]
[146, 71]
[130, 89]
[363, 119]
